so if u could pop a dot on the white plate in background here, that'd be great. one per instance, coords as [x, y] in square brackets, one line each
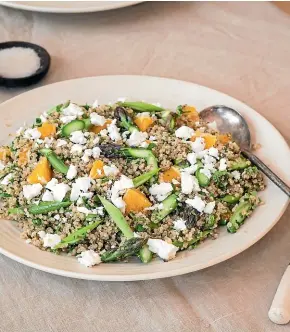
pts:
[68, 7]
[169, 93]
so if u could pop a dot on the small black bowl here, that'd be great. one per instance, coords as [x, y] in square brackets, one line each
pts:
[35, 77]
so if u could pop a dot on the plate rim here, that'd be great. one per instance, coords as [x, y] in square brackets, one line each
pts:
[158, 274]
[81, 10]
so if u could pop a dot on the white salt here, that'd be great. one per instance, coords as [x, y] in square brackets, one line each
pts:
[18, 62]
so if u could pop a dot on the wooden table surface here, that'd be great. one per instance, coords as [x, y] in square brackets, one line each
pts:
[239, 48]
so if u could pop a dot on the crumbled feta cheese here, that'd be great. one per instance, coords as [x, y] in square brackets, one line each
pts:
[41, 234]
[78, 137]
[19, 131]
[97, 119]
[47, 196]
[223, 164]
[95, 104]
[48, 141]
[184, 132]
[143, 115]
[191, 157]
[87, 154]
[7, 179]
[51, 184]
[198, 145]
[39, 141]
[86, 134]
[118, 189]
[89, 258]
[161, 191]
[76, 149]
[96, 140]
[31, 190]
[51, 240]
[72, 172]
[152, 138]
[60, 142]
[174, 181]
[214, 152]
[125, 134]
[43, 118]
[111, 170]
[70, 113]
[84, 210]
[57, 217]
[113, 131]
[206, 172]
[137, 138]
[32, 133]
[191, 169]
[196, 203]
[96, 152]
[179, 225]
[236, 175]
[81, 185]
[58, 190]
[144, 145]
[104, 133]
[189, 183]
[209, 207]
[163, 249]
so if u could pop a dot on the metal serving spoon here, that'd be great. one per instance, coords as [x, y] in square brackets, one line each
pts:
[228, 120]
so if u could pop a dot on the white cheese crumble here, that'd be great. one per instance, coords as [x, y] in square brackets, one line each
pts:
[214, 152]
[179, 225]
[32, 133]
[57, 217]
[163, 249]
[113, 131]
[47, 196]
[223, 164]
[81, 185]
[2, 166]
[78, 137]
[48, 141]
[184, 132]
[89, 258]
[137, 138]
[104, 133]
[97, 120]
[98, 210]
[189, 183]
[41, 234]
[31, 190]
[118, 189]
[95, 104]
[70, 113]
[125, 134]
[191, 169]
[96, 152]
[144, 145]
[51, 240]
[152, 138]
[87, 154]
[196, 203]
[198, 145]
[111, 170]
[7, 179]
[72, 172]
[191, 157]
[60, 142]
[58, 190]
[143, 115]
[209, 207]
[76, 149]
[236, 175]
[161, 191]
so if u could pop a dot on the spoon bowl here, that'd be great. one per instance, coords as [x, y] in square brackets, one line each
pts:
[228, 120]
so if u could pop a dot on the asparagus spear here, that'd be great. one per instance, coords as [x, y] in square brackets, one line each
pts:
[125, 119]
[41, 208]
[132, 246]
[55, 161]
[142, 107]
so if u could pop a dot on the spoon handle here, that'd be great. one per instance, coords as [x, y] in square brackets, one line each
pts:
[266, 170]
